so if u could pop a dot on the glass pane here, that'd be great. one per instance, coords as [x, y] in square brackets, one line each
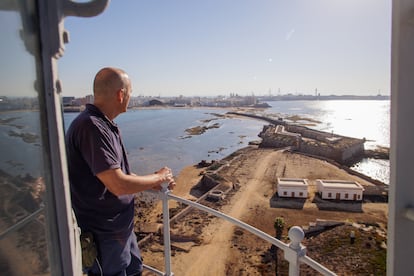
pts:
[23, 249]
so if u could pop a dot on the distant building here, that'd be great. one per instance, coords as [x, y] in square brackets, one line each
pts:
[89, 99]
[339, 189]
[155, 102]
[66, 101]
[4, 103]
[292, 187]
[181, 102]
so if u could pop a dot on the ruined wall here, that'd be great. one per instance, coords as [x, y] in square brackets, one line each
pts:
[208, 182]
[270, 139]
[321, 149]
[353, 151]
[315, 143]
[280, 141]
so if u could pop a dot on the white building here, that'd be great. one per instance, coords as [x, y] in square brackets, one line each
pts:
[292, 187]
[339, 189]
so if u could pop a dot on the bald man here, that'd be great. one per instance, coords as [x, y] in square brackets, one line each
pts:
[102, 185]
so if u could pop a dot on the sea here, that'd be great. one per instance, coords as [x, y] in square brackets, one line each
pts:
[158, 137]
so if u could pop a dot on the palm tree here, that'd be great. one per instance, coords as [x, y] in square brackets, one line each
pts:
[279, 224]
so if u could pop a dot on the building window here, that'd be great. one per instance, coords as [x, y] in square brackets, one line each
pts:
[346, 195]
[284, 193]
[329, 194]
[300, 193]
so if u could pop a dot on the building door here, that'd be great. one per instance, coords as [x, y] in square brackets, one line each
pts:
[338, 196]
[293, 194]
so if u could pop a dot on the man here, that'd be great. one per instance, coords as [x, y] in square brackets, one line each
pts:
[102, 185]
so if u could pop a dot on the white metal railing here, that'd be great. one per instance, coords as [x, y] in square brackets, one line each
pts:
[294, 252]
[33, 216]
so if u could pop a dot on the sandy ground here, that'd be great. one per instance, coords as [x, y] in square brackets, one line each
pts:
[211, 248]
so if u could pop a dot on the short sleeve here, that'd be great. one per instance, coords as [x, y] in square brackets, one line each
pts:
[100, 148]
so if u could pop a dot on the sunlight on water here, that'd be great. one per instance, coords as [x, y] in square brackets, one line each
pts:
[359, 119]
[377, 169]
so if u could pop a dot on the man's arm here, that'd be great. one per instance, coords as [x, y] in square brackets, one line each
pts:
[120, 183]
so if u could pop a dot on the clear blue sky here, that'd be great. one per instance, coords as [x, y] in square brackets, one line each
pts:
[217, 47]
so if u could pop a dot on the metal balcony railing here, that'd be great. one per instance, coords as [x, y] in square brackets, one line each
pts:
[294, 252]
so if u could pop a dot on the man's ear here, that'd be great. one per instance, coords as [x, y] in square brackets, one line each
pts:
[120, 95]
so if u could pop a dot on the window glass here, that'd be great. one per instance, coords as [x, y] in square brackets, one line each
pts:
[23, 246]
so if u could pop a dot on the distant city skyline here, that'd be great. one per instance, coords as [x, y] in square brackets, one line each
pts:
[266, 97]
[245, 47]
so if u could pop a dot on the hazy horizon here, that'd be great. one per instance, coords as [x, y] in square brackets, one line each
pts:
[259, 96]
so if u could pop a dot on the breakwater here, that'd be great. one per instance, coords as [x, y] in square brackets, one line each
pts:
[254, 116]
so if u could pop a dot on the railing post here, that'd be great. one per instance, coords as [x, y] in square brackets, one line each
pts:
[295, 250]
[166, 229]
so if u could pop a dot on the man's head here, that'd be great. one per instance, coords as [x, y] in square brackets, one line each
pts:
[112, 91]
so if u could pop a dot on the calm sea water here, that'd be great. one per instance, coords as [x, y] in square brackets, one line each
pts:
[14, 149]
[157, 137]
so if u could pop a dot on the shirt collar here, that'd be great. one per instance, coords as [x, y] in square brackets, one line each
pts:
[97, 112]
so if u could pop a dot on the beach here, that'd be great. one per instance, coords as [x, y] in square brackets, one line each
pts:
[204, 245]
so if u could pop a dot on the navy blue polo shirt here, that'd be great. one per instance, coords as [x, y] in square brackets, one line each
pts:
[94, 145]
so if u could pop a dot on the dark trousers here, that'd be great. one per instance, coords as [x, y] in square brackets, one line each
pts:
[117, 257]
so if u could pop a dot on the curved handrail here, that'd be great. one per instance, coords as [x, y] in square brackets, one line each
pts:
[295, 252]
[237, 222]
[315, 265]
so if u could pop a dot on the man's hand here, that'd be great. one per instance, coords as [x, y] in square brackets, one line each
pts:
[166, 176]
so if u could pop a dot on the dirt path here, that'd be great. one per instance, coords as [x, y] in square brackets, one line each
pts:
[203, 259]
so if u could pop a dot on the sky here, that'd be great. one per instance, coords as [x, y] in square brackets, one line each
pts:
[245, 47]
